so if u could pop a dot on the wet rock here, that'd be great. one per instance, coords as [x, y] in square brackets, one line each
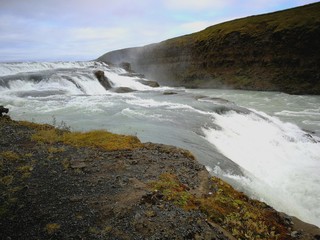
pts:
[123, 90]
[3, 110]
[126, 66]
[169, 93]
[149, 83]
[295, 234]
[104, 81]
[78, 165]
[133, 74]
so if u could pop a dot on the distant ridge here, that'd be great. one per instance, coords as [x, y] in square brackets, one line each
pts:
[278, 51]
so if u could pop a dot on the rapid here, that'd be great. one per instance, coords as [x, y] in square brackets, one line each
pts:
[266, 144]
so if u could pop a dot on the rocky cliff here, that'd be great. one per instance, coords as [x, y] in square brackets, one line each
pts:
[275, 52]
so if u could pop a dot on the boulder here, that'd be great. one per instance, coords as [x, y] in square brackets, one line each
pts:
[149, 83]
[123, 90]
[3, 110]
[104, 81]
[133, 74]
[126, 66]
[169, 93]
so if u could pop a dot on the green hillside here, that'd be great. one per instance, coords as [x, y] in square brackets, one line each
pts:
[278, 51]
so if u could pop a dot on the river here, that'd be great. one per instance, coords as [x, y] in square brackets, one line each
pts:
[266, 144]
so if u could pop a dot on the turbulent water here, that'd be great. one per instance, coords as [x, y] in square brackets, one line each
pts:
[266, 144]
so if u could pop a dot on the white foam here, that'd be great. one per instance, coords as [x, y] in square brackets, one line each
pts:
[306, 112]
[125, 81]
[14, 68]
[89, 85]
[283, 162]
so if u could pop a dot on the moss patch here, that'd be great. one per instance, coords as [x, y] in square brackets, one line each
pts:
[174, 191]
[98, 139]
[242, 217]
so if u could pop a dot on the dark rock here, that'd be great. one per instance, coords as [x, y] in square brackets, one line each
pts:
[126, 66]
[104, 81]
[78, 165]
[133, 74]
[123, 90]
[295, 234]
[169, 93]
[153, 84]
[3, 110]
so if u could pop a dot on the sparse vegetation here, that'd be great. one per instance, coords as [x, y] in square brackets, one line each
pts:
[173, 190]
[242, 217]
[7, 180]
[10, 155]
[52, 228]
[99, 139]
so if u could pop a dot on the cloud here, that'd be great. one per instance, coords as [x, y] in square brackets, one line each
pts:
[83, 29]
[196, 5]
[85, 34]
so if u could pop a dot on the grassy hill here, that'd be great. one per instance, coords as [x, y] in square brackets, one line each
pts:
[276, 52]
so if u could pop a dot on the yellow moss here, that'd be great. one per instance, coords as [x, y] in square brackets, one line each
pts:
[242, 217]
[174, 191]
[107, 229]
[99, 139]
[10, 155]
[102, 139]
[66, 164]
[47, 136]
[52, 228]
[25, 169]
[15, 189]
[36, 126]
[28, 155]
[7, 180]
[94, 230]
[55, 150]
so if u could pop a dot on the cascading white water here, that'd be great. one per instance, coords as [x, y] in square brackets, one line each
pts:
[14, 68]
[279, 160]
[282, 160]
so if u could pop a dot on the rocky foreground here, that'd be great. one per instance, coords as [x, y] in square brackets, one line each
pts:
[57, 184]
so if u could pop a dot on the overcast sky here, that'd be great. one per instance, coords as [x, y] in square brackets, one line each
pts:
[66, 30]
